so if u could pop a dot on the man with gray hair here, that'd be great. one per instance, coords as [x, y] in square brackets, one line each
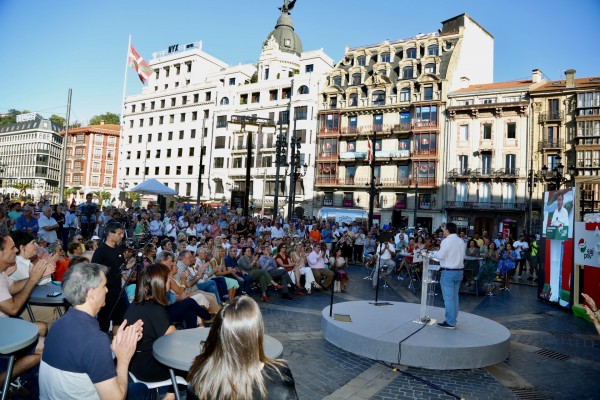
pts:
[77, 361]
[47, 225]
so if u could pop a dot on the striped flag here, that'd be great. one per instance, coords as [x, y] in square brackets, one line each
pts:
[369, 151]
[139, 64]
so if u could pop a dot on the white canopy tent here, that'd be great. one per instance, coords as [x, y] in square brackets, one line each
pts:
[152, 186]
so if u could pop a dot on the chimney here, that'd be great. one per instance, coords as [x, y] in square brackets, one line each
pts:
[570, 74]
[536, 76]
[101, 122]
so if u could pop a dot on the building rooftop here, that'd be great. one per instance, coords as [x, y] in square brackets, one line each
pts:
[490, 87]
[29, 125]
[580, 83]
[111, 129]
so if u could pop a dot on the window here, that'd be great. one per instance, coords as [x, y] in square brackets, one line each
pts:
[178, 170]
[139, 138]
[433, 50]
[161, 120]
[509, 194]
[131, 123]
[301, 113]
[328, 146]
[428, 92]
[405, 94]
[488, 101]
[224, 101]
[463, 133]
[193, 134]
[220, 142]
[196, 97]
[206, 114]
[333, 102]
[330, 122]
[181, 135]
[351, 146]
[378, 98]
[137, 170]
[510, 164]
[130, 139]
[244, 99]
[336, 80]
[171, 118]
[485, 193]
[237, 162]
[191, 152]
[385, 57]
[182, 118]
[150, 121]
[207, 96]
[267, 74]
[179, 152]
[255, 97]
[411, 53]
[303, 90]
[170, 136]
[221, 121]
[361, 61]
[511, 130]
[167, 170]
[309, 68]
[168, 153]
[284, 117]
[158, 153]
[162, 103]
[353, 100]
[184, 100]
[286, 93]
[430, 68]
[149, 137]
[267, 161]
[426, 116]
[487, 131]
[486, 163]
[377, 122]
[194, 115]
[128, 155]
[462, 192]
[463, 162]
[188, 189]
[231, 81]
[218, 163]
[407, 73]
[173, 101]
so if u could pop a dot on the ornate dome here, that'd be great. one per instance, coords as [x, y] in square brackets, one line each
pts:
[285, 35]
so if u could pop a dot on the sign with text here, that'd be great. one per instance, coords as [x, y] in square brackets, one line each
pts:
[587, 244]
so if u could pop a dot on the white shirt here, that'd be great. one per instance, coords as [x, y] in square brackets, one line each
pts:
[277, 233]
[520, 247]
[387, 254]
[49, 236]
[452, 252]
[397, 237]
[560, 217]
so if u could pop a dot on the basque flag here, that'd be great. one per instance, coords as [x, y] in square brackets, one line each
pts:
[139, 64]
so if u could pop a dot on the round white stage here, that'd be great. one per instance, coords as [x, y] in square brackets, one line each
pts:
[389, 333]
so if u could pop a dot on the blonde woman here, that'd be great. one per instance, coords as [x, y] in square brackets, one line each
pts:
[300, 265]
[218, 268]
[233, 353]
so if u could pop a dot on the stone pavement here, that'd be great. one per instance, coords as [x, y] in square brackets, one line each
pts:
[553, 355]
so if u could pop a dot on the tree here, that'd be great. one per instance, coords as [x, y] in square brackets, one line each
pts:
[58, 120]
[22, 187]
[182, 199]
[69, 191]
[108, 118]
[102, 195]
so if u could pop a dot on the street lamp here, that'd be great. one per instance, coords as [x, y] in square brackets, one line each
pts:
[375, 187]
[556, 178]
[295, 172]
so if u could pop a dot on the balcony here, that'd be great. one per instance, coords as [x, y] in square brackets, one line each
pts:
[379, 128]
[350, 130]
[476, 205]
[552, 116]
[329, 132]
[424, 153]
[424, 125]
[461, 173]
[327, 156]
[401, 128]
[326, 181]
[551, 144]
[351, 156]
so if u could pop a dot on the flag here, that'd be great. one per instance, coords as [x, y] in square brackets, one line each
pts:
[139, 64]
[369, 152]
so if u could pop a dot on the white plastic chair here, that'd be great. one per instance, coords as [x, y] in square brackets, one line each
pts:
[156, 385]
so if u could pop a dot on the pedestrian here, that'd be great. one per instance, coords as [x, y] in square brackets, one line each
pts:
[451, 255]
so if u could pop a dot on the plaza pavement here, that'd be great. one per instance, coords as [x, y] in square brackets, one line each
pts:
[553, 355]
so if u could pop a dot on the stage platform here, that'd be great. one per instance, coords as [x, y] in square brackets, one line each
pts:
[389, 333]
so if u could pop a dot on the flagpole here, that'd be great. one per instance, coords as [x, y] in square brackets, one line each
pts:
[121, 134]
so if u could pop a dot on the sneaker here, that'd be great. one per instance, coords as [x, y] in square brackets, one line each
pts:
[446, 325]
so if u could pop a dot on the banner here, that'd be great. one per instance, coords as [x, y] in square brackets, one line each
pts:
[587, 239]
[558, 215]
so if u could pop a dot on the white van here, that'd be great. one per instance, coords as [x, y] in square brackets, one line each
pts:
[340, 215]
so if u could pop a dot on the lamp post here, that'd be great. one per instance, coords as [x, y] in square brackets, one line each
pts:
[244, 120]
[556, 178]
[280, 158]
[295, 172]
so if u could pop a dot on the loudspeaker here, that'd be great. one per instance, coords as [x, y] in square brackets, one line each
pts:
[162, 203]
[396, 218]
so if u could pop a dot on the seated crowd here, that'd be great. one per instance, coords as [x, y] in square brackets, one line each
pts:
[139, 274]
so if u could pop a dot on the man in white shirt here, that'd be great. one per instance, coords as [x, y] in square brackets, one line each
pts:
[48, 225]
[401, 234]
[277, 231]
[521, 246]
[451, 255]
[386, 253]
[156, 226]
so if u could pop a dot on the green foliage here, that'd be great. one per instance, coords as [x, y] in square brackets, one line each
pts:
[69, 191]
[108, 118]
[133, 196]
[182, 199]
[22, 187]
[102, 195]
[58, 120]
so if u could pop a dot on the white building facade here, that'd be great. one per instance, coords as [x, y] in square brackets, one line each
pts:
[179, 130]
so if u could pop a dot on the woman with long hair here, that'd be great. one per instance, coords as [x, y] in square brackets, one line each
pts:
[233, 364]
[218, 268]
[507, 264]
[301, 264]
[283, 261]
[150, 305]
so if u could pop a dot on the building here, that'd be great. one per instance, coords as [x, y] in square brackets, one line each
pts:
[30, 152]
[92, 160]
[486, 171]
[566, 131]
[184, 129]
[395, 92]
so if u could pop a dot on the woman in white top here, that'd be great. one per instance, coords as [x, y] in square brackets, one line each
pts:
[338, 265]
[300, 265]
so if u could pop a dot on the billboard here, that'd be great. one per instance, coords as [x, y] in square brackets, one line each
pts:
[587, 239]
[558, 215]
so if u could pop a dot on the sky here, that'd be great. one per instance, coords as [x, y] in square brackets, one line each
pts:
[49, 47]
